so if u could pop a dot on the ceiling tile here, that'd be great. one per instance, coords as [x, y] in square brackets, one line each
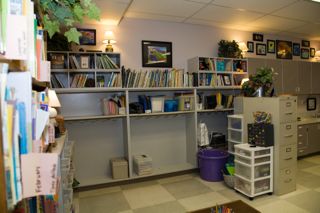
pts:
[277, 23]
[310, 29]
[265, 6]
[151, 16]
[226, 15]
[201, 1]
[179, 8]
[303, 10]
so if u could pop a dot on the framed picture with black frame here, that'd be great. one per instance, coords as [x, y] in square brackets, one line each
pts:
[284, 49]
[257, 37]
[250, 46]
[88, 36]
[305, 53]
[312, 52]
[226, 80]
[305, 43]
[311, 104]
[296, 49]
[156, 54]
[271, 46]
[261, 49]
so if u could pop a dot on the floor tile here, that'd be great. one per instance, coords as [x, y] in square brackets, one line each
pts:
[308, 201]
[300, 189]
[186, 188]
[308, 180]
[280, 206]
[313, 159]
[313, 170]
[303, 164]
[147, 196]
[215, 186]
[138, 185]
[170, 207]
[111, 203]
[127, 211]
[98, 192]
[203, 201]
[175, 179]
[317, 189]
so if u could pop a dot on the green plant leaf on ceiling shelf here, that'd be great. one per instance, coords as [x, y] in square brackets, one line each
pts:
[94, 13]
[73, 35]
[51, 26]
[78, 12]
[62, 13]
[86, 3]
[69, 22]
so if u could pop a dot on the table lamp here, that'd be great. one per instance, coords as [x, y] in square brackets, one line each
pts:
[109, 40]
[243, 47]
[317, 55]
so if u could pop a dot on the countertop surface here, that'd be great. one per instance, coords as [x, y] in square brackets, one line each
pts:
[308, 120]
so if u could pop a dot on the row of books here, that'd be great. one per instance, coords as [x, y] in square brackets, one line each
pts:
[216, 101]
[114, 105]
[81, 62]
[157, 78]
[109, 80]
[211, 64]
[211, 80]
[105, 62]
[81, 80]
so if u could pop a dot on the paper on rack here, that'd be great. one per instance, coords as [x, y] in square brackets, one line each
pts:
[39, 174]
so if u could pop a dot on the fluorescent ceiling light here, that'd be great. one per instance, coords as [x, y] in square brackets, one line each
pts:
[316, 0]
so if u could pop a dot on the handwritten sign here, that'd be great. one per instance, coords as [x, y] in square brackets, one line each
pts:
[39, 174]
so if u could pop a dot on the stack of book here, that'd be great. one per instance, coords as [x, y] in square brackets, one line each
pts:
[109, 80]
[114, 105]
[105, 62]
[79, 80]
[142, 164]
[157, 78]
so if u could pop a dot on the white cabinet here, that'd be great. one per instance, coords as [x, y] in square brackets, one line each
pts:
[253, 170]
[235, 131]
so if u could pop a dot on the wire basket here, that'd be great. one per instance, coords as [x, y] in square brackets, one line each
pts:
[229, 180]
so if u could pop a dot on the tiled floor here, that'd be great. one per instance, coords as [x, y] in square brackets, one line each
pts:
[189, 192]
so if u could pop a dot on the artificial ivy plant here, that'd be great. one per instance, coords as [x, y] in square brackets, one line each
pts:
[229, 49]
[62, 15]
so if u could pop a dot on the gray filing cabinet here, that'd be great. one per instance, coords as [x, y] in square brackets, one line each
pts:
[308, 139]
[284, 119]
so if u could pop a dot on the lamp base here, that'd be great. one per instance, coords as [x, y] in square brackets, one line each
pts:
[109, 48]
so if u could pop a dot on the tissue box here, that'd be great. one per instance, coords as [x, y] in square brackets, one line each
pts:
[142, 164]
[119, 167]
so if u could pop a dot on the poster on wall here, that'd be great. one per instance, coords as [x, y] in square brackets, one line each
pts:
[284, 49]
[156, 54]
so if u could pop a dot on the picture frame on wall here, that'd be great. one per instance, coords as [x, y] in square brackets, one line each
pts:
[296, 49]
[156, 54]
[250, 46]
[305, 43]
[271, 46]
[305, 52]
[284, 49]
[88, 36]
[311, 104]
[312, 52]
[261, 49]
[257, 37]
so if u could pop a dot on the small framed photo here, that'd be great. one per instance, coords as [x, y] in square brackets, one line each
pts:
[296, 49]
[305, 43]
[312, 52]
[156, 54]
[284, 49]
[261, 49]
[305, 52]
[88, 36]
[250, 46]
[311, 104]
[226, 80]
[257, 37]
[271, 44]
[84, 62]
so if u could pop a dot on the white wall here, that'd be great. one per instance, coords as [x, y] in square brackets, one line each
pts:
[187, 40]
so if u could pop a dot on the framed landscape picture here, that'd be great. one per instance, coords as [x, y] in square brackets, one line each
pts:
[250, 46]
[312, 52]
[296, 49]
[156, 54]
[305, 53]
[88, 36]
[261, 49]
[271, 45]
[305, 43]
[284, 49]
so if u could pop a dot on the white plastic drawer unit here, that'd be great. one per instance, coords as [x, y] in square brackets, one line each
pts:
[243, 170]
[261, 186]
[262, 171]
[235, 121]
[288, 109]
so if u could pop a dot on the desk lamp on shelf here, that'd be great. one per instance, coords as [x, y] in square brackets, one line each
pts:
[109, 40]
[56, 119]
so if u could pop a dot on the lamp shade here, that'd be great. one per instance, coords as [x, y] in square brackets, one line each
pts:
[243, 46]
[317, 55]
[244, 80]
[53, 99]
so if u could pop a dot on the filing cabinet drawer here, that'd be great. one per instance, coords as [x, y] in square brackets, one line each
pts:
[301, 152]
[288, 156]
[287, 180]
[288, 109]
[302, 143]
[288, 133]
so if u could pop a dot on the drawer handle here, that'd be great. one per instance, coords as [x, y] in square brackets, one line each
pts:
[299, 127]
[301, 150]
[288, 159]
[288, 127]
[300, 135]
[288, 136]
[288, 180]
[300, 143]
[289, 113]
[288, 104]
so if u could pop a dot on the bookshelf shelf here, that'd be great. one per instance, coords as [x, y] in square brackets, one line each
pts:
[88, 90]
[79, 118]
[160, 114]
[215, 110]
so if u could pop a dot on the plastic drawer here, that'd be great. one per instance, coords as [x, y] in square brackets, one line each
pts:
[261, 186]
[242, 159]
[262, 160]
[235, 135]
[242, 170]
[262, 171]
[242, 152]
[243, 185]
[235, 123]
[262, 152]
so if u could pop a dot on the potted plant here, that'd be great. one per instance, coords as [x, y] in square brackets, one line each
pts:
[229, 49]
[260, 84]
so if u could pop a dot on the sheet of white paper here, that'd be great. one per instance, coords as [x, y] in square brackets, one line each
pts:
[39, 174]
[41, 122]
[45, 71]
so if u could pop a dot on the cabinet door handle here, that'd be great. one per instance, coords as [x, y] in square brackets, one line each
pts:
[300, 135]
[288, 136]
[299, 127]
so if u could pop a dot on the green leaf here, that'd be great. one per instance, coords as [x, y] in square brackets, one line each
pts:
[87, 3]
[73, 35]
[94, 12]
[51, 27]
[69, 22]
[62, 13]
[78, 12]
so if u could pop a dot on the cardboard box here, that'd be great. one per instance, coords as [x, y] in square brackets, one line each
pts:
[119, 167]
[237, 206]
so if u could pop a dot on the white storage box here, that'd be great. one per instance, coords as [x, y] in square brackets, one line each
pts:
[142, 164]
[119, 167]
